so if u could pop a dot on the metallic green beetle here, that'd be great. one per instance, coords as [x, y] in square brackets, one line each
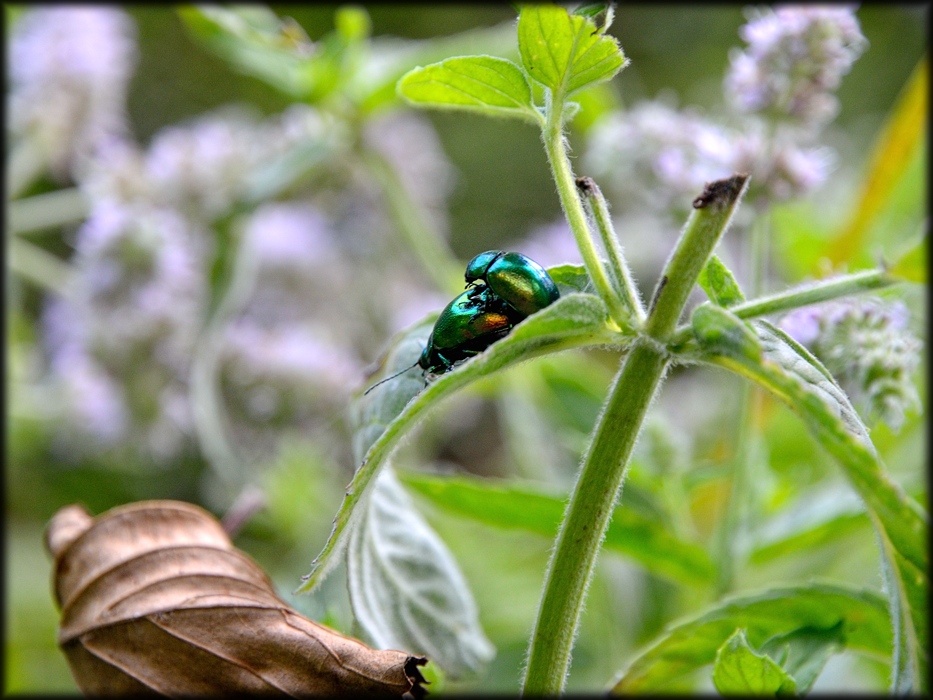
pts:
[469, 324]
[514, 278]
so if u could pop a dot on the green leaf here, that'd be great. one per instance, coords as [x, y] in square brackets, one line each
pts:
[793, 374]
[577, 320]
[719, 284]
[739, 670]
[571, 278]
[389, 58]
[691, 644]
[514, 506]
[565, 52]
[805, 651]
[817, 519]
[482, 84]
[257, 42]
[721, 332]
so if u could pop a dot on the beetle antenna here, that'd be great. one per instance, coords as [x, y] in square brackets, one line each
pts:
[392, 376]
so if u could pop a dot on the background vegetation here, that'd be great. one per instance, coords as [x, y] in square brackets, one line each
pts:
[527, 426]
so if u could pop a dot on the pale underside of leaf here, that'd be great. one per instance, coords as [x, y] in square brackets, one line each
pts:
[406, 588]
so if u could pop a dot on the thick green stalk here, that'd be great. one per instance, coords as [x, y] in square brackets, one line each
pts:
[587, 517]
[573, 209]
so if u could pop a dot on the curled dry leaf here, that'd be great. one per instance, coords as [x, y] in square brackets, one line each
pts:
[155, 599]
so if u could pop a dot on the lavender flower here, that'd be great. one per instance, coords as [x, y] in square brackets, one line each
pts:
[662, 158]
[123, 347]
[795, 59]
[283, 377]
[69, 69]
[781, 168]
[867, 345]
[411, 146]
[658, 155]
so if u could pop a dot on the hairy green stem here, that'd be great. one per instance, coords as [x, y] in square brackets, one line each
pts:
[814, 293]
[430, 249]
[556, 149]
[711, 216]
[623, 282]
[47, 211]
[573, 560]
[587, 517]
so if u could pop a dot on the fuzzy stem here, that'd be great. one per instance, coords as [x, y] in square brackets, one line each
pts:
[573, 560]
[556, 148]
[814, 293]
[210, 417]
[622, 276]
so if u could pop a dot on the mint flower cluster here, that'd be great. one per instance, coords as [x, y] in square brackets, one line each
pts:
[795, 60]
[781, 86]
[120, 345]
[69, 69]
[868, 346]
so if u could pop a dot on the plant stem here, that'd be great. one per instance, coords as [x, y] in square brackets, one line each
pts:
[587, 517]
[47, 211]
[210, 418]
[711, 216]
[573, 561]
[555, 146]
[815, 293]
[622, 277]
[40, 267]
[425, 242]
[737, 505]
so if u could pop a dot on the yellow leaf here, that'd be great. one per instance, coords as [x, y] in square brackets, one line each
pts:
[896, 143]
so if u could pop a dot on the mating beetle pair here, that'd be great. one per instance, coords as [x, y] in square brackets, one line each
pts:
[502, 289]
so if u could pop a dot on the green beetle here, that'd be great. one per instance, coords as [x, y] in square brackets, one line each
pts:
[469, 324]
[515, 279]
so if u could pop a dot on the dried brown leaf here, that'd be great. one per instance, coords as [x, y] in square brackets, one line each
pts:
[155, 599]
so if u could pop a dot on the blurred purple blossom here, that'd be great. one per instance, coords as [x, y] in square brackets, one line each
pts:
[122, 345]
[658, 155]
[290, 235]
[661, 158]
[551, 244]
[69, 67]
[411, 146]
[868, 346]
[795, 59]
